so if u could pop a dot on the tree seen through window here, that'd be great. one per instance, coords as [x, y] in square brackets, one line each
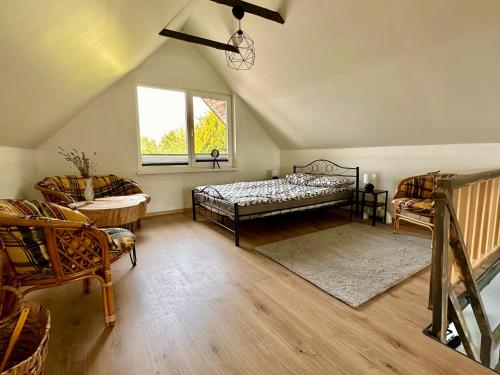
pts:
[210, 133]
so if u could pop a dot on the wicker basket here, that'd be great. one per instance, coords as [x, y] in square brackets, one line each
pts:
[12, 303]
[30, 350]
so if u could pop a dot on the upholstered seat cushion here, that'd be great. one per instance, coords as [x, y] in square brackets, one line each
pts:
[413, 205]
[39, 210]
[120, 241]
[25, 245]
[419, 187]
[25, 248]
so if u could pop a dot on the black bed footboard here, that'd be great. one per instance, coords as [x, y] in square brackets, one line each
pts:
[208, 210]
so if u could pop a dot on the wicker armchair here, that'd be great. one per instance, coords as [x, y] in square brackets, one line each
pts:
[49, 245]
[64, 190]
[413, 201]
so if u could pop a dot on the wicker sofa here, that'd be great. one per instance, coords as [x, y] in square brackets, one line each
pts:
[64, 190]
[44, 245]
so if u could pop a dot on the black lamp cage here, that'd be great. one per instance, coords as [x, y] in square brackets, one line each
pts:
[245, 58]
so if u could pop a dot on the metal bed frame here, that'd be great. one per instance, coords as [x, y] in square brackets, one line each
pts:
[317, 167]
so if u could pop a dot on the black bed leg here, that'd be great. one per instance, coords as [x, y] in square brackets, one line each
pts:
[236, 225]
[194, 204]
[356, 196]
[352, 202]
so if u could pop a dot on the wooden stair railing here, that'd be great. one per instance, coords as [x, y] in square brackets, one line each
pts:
[466, 233]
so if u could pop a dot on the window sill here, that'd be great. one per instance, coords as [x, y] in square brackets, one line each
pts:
[174, 170]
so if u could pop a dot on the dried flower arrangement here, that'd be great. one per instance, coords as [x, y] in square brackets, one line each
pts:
[85, 165]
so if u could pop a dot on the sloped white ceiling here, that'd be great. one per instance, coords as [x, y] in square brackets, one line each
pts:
[56, 55]
[343, 73]
[339, 73]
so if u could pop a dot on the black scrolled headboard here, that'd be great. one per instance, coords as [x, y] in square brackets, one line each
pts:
[329, 168]
[326, 167]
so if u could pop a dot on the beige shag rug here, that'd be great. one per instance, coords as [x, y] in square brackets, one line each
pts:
[353, 262]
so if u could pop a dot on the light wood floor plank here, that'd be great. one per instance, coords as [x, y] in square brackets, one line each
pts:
[195, 304]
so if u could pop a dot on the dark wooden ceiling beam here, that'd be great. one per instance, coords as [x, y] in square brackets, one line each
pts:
[254, 9]
[197, 40]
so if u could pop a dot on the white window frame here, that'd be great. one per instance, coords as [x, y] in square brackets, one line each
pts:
[192, 165]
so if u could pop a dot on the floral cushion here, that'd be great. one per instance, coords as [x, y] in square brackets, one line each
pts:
[330, 181]
[318, 180]
[416, 206]
[299, 178]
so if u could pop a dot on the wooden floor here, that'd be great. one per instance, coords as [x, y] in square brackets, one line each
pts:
[195, 304]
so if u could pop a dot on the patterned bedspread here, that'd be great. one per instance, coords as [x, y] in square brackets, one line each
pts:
[262, 192]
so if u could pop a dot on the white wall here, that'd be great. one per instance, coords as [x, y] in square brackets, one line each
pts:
[391, 164]
[108, 127]
[18, 173]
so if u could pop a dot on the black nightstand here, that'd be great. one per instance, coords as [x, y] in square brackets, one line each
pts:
[374, 202]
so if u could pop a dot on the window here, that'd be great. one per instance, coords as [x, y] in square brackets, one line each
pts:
[183, 127]
[163, 126]
[210, 128]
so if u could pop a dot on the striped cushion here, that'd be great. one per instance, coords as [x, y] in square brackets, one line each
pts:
[120, 241]
[37, 209]
[417, 206]
[25, 246]
[71, 186]
[104, 186]
[419, 187]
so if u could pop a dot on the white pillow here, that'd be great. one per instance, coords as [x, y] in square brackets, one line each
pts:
[318, 180]
[299, 178]
[330, 181]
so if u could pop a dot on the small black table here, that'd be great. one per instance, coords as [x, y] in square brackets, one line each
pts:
[375, 202]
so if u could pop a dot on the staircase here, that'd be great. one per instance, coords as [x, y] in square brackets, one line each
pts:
[466, 250]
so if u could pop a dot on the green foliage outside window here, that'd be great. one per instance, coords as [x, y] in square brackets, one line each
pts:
[210, 133]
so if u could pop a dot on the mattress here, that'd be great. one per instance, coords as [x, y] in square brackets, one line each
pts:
[267, 197]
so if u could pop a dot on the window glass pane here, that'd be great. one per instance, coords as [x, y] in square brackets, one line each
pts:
[210, 128]
[163, 126]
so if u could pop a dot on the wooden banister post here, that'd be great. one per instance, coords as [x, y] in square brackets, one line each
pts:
[478, 241]
[461, 258]
[440, 261]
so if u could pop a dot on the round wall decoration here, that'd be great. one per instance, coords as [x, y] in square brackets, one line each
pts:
[215, 154]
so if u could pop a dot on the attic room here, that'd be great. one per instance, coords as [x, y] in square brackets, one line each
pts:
[261, 187]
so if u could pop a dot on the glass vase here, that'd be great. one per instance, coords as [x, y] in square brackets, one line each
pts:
[89, 190]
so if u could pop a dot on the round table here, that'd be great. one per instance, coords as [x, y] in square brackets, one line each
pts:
[114, 211]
